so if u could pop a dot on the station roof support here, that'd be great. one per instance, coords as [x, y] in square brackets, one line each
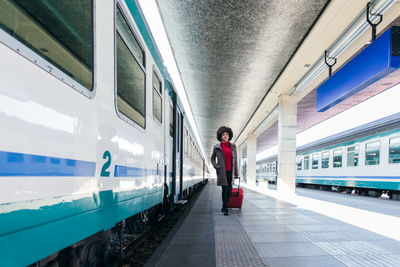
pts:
[287, 129]
[251, 158]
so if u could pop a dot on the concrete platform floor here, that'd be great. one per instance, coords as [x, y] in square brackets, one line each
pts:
[269, 232]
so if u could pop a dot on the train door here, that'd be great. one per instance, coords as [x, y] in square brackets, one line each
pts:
[171, 161]
[176, 184]
[180, 145]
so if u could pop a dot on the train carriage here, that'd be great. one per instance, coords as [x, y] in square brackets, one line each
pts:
[370, 162]
[88, 138]
[365, 159]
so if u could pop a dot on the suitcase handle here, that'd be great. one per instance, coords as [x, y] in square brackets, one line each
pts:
[238, 189]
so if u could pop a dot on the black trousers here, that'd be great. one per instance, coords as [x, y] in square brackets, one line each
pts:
[227, 190]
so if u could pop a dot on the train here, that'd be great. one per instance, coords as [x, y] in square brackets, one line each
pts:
[364, 160]
[94, 137]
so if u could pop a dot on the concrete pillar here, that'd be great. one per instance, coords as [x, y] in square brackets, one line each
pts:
[239, 161]
[287, 129]
[251, 158]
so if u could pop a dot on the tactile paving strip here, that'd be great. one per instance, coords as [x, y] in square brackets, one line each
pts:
[309, 227]
[326, 236]
[360, 253]
[233, 246]
[351, 247]
[351, 253]
[370, 260]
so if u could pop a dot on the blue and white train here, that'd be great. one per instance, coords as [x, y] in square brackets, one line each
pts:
[366, 159]
[92, 129]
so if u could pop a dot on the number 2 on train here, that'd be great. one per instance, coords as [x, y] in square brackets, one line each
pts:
[104, 171]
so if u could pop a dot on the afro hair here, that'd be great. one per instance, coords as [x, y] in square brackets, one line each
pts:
[224, 129]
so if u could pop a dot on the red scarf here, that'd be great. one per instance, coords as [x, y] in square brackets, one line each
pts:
[226, 149]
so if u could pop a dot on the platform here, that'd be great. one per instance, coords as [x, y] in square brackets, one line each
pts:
[270, 232]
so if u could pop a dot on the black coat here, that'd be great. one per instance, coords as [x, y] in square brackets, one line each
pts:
[218, 159]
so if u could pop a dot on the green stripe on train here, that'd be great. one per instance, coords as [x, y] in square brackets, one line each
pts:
[352, 183]
[41, 232]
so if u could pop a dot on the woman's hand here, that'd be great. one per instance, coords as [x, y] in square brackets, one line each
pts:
[217, 167]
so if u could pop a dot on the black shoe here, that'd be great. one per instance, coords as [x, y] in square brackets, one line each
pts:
[226, 213]
[224, 210]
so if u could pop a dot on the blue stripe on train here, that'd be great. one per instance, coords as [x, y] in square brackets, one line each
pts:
[19, 164]
[126, 171]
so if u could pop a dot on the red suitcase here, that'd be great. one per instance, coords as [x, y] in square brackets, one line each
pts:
[236, 199]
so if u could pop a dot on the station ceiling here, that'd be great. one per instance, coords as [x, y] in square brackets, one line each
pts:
[233, 54]
[230, 52]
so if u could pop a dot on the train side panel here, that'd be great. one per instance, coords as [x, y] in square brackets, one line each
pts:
[70, 163]
[193, 162]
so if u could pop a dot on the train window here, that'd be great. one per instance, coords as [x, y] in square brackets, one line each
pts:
[306, 162]
[315, 158]
[190, 148]
[188, 145]
[184, 145]
[131, 85]
[125, 30]
[352, 156]
[337, 158]
[325, 160]
[59, 31]
[372, 153]
[299, 163]
[394, 150]
[157, 98]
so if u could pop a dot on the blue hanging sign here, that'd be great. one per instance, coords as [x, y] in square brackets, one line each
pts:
[374, 63]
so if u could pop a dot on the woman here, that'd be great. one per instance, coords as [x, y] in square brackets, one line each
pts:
[226, 163]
